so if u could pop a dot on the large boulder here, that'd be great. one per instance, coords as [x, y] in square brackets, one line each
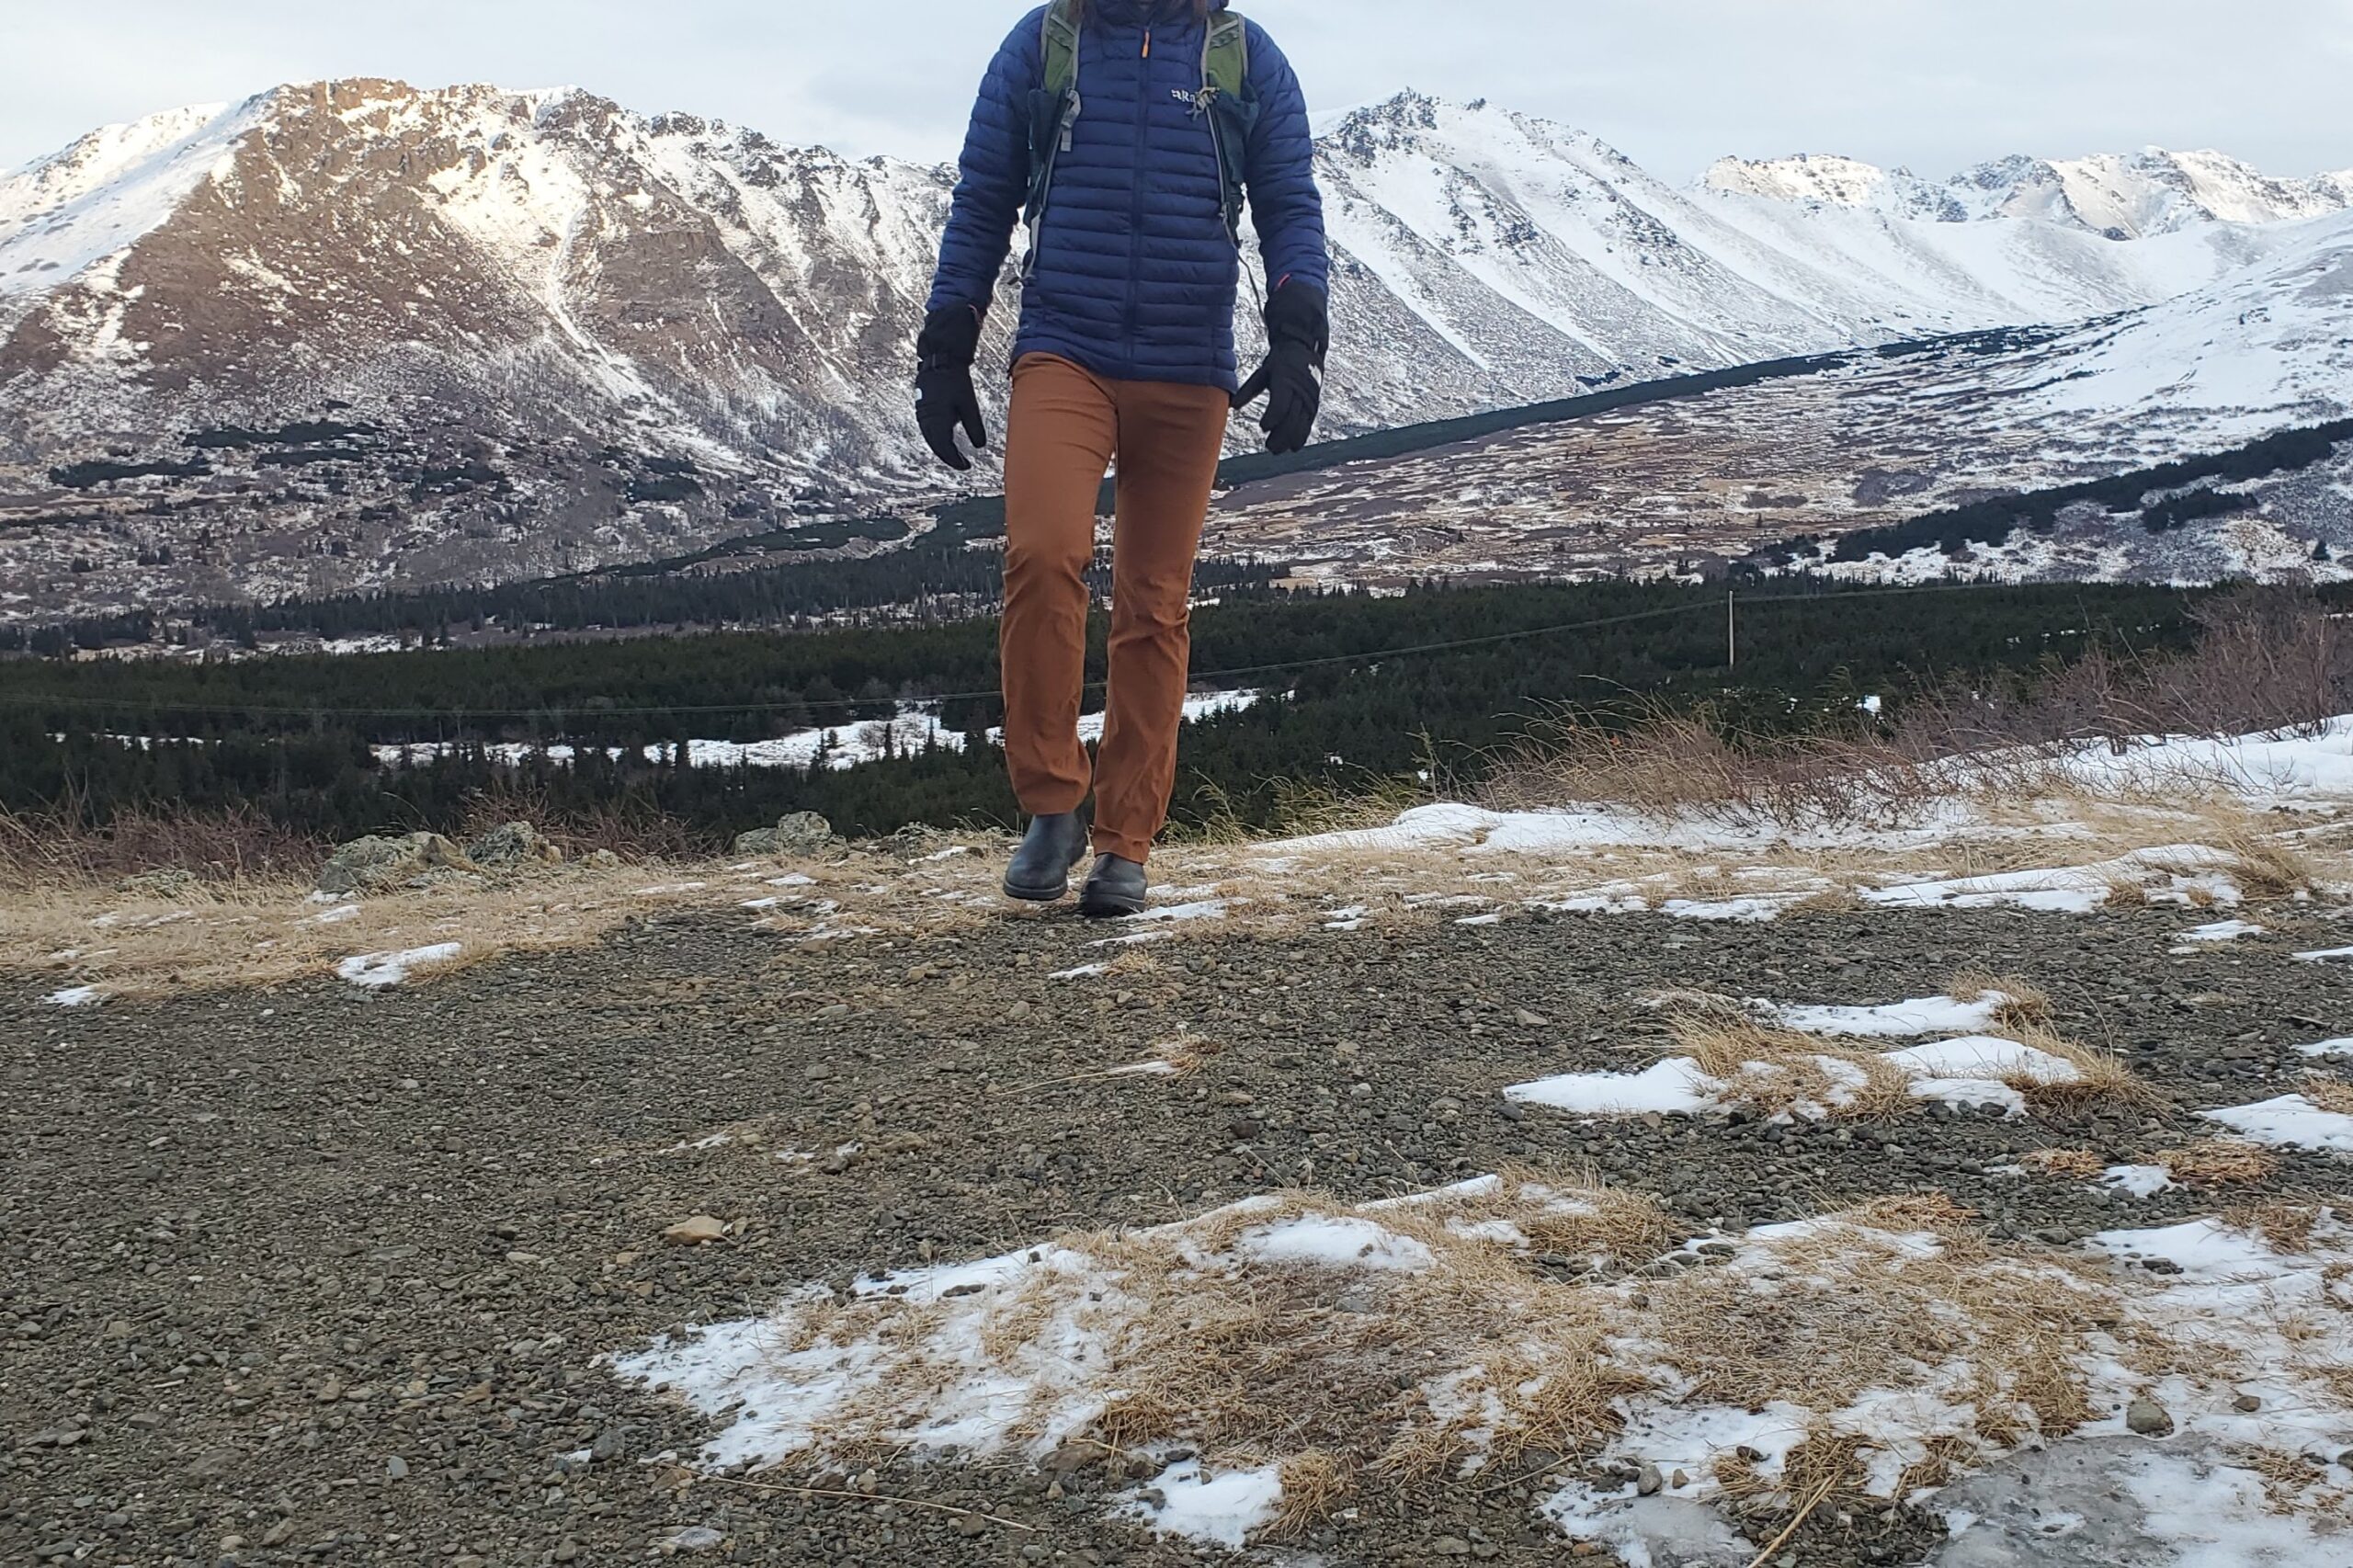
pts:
[797, 832]
[376, 863]
[513, 847]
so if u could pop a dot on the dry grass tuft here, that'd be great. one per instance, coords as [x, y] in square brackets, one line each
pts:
[2069, 1165]
[2217, 1161]
[1776, 1072]
[2266, 862]
[2102, 1077]
[1855, 1300]
[1315, 1485]
[2328, 1092]
[2024, 1005]
[2283, 1222]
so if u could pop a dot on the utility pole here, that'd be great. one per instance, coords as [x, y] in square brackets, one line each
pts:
[1732, 632]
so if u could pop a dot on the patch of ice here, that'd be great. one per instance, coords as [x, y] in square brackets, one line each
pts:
[1975, 1069]
[2138, 1181]
[376, 971]
[2179, 873]
[2289, 1121]
[334, 915]
[1224, 1509]
[1084, 972]
[1641, 1532]
[1335, 1241]
[2327, 955]
[1979, 1069]
[1892, 1021]
[1675, 1086]
[73, 996]
[2326, 1048]
[1205, 909]
[2223, 931]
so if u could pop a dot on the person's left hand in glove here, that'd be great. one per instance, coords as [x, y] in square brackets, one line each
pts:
[944, 394]
[1298, 332]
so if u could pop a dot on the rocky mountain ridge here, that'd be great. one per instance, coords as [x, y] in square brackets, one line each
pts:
[492, 335]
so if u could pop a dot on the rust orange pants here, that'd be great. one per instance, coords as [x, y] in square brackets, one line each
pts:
[1066, 428]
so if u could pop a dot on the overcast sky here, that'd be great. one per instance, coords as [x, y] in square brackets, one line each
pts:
[1934, 84]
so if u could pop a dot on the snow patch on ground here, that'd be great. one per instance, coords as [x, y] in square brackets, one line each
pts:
[1010, 1357]
[376, 971]
[1925, 1015]
[1975, 1069]
[2289, 1121]
[73, 997]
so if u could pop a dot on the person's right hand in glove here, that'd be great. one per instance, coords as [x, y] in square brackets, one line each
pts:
[1298, 332]
[945, 397]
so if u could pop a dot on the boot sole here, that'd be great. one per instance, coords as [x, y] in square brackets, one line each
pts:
[1038, 895]
[1109, 906]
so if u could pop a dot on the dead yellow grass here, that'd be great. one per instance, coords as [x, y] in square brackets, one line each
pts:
[1777, 1072]
[263, 934]
[2217, 1161]
[2024, 1003]
[2328, 1092]
[2102, 1077]
[1348, 1377]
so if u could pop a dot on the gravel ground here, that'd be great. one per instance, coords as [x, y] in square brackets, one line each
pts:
[321, 1275]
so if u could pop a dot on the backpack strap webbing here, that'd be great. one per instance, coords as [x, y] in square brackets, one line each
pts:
[1233, 109]
[1053, 111]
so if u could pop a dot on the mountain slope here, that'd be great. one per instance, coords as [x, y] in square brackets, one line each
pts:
[352, 334]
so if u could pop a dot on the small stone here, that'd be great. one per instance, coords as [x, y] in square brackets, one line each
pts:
[700, 1230]
[1649, 1484]
[212, 1464]
[1528, 1020]
[1451, 1546]
[2145, 1417]
[396, 1468]
[970, 1525]
[2246, 1404]
[817, 1072]
[689, 1537]
[565, 1551]
[1679, 1481]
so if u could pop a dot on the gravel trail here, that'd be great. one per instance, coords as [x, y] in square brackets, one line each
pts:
[321, 1275]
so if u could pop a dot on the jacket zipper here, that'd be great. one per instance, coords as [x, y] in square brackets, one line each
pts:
[1135, 210]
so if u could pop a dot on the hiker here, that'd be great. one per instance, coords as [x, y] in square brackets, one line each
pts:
[1126, 135]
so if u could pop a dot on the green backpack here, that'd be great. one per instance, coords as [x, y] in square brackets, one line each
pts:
[1225, 101]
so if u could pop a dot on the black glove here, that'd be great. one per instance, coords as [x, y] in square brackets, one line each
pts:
[944, 394]
[1298, 330]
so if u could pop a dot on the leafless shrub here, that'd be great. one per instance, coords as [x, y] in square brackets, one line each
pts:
[68, 846]
[2265, 659]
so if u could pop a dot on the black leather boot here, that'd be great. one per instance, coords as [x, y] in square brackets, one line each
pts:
[1115, 888]
[1042, 866]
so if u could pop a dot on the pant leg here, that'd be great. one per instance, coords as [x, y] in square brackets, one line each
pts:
[1060, 435]
[1170, 435]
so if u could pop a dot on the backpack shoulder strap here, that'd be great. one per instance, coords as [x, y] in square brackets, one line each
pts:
[1232, 108]
[1060, 28]
[1053, 111]
[1225, 59]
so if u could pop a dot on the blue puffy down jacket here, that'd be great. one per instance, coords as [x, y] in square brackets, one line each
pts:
[1134, 277]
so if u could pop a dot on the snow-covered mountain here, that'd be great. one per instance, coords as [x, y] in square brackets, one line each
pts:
[466, 334]
[2118, 197]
